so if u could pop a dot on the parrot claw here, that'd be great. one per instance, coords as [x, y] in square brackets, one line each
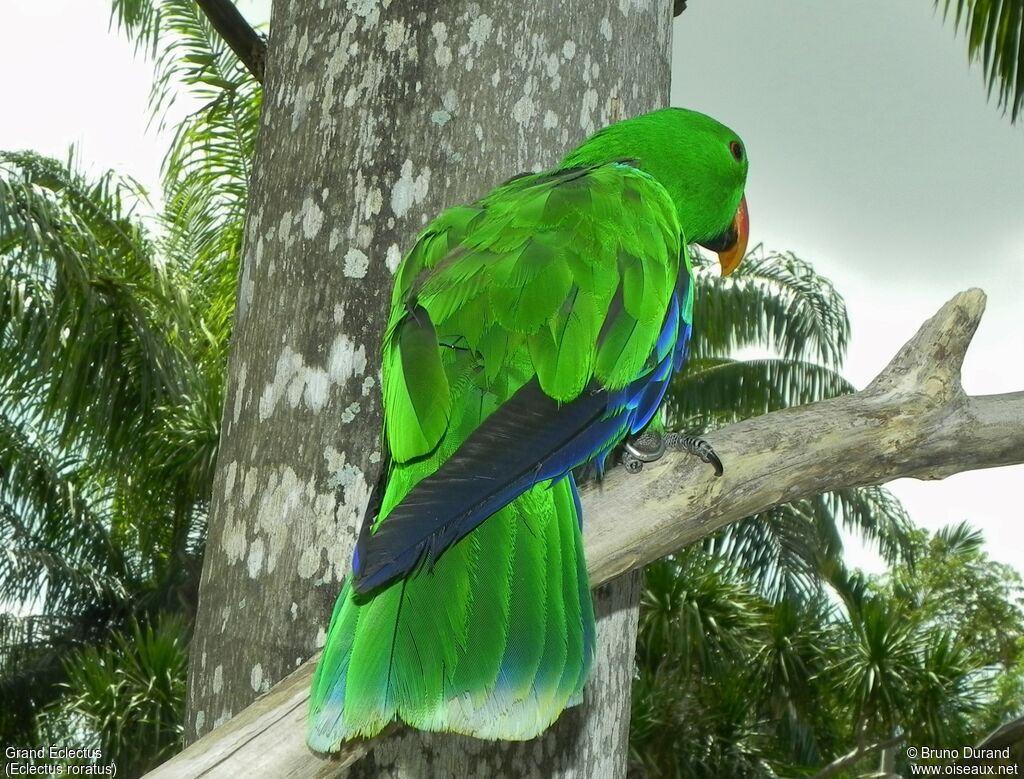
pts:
[696, 446]
[649, 446]
[633, 465]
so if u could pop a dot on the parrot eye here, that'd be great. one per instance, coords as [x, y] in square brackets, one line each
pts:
[737, 150]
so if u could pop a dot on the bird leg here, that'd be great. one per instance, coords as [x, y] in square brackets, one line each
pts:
[651, 445]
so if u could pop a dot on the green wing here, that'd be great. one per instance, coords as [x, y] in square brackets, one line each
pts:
[572, 270]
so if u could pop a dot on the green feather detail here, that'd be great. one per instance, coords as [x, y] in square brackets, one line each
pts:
[563, 351]
[476, 672]
[369, 698]
[621, 356]
[579, 613]
[552, 661]
[587, 617]
[529, 598]
[416, 396]
[432, 635]
[687, 312]
[531, 291]
[498, 343]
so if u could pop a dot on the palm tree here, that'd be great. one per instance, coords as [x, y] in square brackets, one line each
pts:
[90, 328]
[820, 685]
[114, 326]
[98, 528]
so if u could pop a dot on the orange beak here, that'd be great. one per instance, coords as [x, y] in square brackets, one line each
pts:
[731, 256]
[731, 245]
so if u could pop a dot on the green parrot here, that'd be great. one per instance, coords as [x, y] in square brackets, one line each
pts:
[530, 332]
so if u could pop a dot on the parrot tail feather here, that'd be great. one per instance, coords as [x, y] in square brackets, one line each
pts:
[494, 641]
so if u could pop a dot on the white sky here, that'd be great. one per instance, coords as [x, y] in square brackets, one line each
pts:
[874, 155]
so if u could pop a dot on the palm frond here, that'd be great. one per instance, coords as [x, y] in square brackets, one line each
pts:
[138, 19]
[960, 540]
[193, 55]
[126, 696]
[208, 167]
[877, 516]
[876, 666]
[697, 610]
[774, 301]
[995, 34]
[783, 550]
[712, 392]
[89, 320]
[794, 549]
[786, 667]
[58, 550]
[953, 688]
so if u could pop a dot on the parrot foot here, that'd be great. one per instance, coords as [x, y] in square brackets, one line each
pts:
[644, 448]
[649, 446]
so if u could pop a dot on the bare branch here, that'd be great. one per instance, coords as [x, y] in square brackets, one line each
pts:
[245, 42]
[913, 420]
[851, 758]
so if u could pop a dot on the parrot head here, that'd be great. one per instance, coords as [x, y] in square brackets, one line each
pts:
[700, 162]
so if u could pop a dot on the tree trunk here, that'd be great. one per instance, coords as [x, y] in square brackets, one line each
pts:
[376, 116]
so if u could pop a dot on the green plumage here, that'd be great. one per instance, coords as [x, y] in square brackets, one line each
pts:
[563, 277]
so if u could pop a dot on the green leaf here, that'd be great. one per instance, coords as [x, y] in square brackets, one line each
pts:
[995, 34]
[126, 696]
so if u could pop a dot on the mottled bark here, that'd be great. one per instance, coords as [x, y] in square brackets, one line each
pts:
[378, 114]
[914, 420]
